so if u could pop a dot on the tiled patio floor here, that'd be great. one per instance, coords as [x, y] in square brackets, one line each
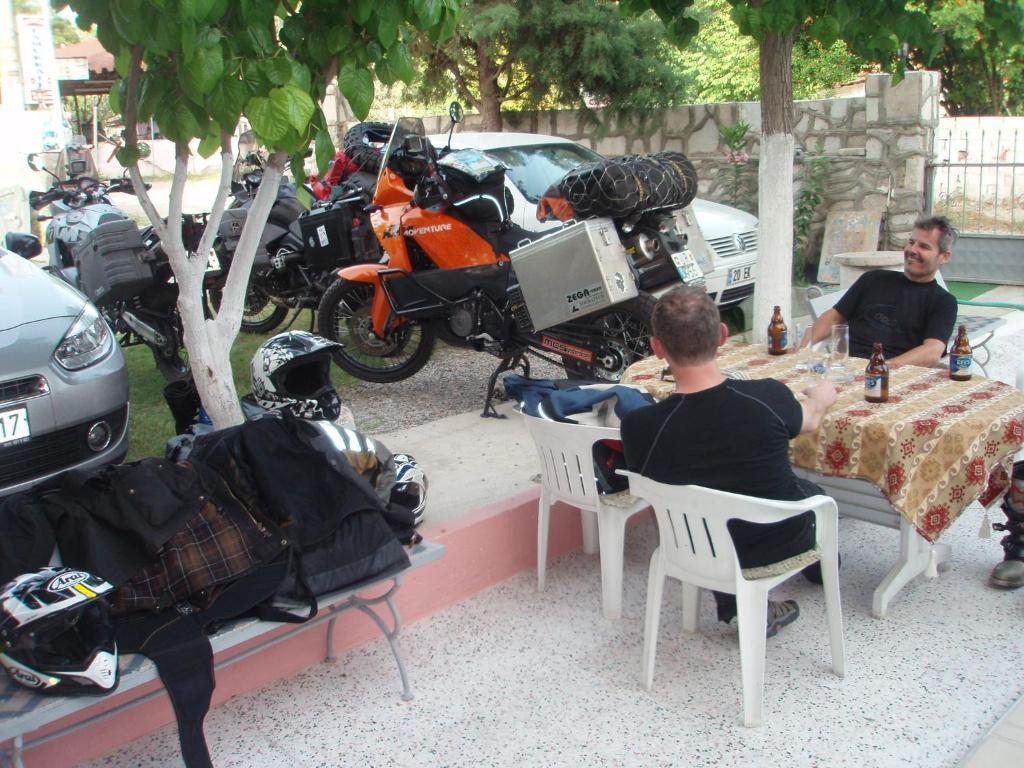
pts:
[516, 678]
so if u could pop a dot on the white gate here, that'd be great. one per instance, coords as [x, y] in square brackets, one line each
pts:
[976, 179]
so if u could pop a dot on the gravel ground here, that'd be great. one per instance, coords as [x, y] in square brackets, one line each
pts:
[454, 381]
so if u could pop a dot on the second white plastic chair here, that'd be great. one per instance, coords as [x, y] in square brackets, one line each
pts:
[696, 548]
[567, 474]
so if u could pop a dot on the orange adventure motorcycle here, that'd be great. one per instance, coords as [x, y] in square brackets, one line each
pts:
[443, 223]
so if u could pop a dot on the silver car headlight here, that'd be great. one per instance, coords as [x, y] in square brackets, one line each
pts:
[87, 341]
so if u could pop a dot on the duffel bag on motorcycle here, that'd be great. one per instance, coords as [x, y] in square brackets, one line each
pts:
[113, 263]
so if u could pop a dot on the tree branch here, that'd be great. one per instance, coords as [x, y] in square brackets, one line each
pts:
[131, 137]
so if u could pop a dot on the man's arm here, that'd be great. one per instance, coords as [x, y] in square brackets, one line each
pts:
[823, 325]
[818, 399]
[926, 355]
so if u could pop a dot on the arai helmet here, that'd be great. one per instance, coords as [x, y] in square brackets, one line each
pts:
[54, 632]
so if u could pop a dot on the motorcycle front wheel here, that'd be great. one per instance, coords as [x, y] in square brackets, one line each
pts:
[344, 316]
[259, 315]
[626, 337]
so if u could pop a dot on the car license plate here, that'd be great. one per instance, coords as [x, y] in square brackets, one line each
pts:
[14, 425]
[687, 266]
[738, 274]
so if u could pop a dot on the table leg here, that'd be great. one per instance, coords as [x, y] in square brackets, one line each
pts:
[914, 556]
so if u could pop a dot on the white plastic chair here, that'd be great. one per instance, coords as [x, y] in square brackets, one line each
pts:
[567, 474]
[696, 548]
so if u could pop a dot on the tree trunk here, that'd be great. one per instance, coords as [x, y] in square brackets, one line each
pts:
[490, 97]
[775, 181]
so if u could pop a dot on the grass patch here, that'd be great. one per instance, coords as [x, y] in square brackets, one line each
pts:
[969, 291]
[150, 423]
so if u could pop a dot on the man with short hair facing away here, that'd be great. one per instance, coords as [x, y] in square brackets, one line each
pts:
[909, 313]
[728, 435]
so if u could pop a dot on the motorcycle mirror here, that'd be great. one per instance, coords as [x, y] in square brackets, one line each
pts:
[23, 244]
[32, 162]
[455, 112]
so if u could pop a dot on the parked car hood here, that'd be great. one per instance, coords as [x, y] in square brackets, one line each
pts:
[28, 294]
[717, 220]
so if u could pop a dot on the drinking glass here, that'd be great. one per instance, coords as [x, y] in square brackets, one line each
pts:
[839, 353]
[802, 345]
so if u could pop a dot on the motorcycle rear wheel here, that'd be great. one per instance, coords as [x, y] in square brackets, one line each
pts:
[626, 329]
[259, 315]
[344, 316]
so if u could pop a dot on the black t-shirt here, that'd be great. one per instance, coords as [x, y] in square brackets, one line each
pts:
[732, 437]
[888, 307]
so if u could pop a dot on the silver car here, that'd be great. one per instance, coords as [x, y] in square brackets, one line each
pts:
[63, 380]
[722, 239]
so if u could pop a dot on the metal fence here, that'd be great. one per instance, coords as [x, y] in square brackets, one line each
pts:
[977, 178]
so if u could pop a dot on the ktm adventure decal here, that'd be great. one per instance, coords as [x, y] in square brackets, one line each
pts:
[430, 228]
[567, 350]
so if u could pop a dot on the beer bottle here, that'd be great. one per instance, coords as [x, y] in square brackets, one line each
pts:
[960, 356]
[778, 339]
[876, 377]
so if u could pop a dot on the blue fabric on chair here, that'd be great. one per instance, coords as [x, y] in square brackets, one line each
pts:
[528, 392]
[565, 402]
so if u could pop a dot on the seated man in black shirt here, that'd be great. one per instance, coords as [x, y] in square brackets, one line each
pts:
[910, 313]
[725, 434]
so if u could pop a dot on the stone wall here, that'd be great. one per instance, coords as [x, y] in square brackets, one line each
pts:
[877, 145]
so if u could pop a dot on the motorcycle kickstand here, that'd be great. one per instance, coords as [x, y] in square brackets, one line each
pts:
[508, 363]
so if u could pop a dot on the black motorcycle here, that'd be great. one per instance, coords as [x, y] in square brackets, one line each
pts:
[123, 270]
[299, 250]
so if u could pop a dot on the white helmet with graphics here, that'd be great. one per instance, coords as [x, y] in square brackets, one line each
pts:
[54, 632]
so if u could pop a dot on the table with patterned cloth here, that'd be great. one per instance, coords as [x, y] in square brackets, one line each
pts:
[932, 449]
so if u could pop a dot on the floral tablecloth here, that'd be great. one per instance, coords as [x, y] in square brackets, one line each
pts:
[932, 449]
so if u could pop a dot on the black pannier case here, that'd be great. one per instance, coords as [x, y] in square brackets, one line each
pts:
[326, 236]
[113, 264]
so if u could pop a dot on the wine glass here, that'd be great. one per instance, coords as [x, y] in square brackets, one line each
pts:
[839, 354]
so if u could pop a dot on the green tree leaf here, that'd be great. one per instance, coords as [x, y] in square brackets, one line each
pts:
[278, 70]
[205, 69]
[210, 143]
[396, 65]
[227, 100]
[128, 156]
[270, 125]
[357, 87]
[388, 19]
[362, 10]
[324, 150]
[295, 104]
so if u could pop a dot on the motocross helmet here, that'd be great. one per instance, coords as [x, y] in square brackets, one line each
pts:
[54, 632]
[410, 488]
[292, 372]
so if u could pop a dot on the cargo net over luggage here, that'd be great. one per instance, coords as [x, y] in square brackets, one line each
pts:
[621, 187]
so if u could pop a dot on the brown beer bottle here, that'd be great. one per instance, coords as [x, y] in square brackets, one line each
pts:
[778, 340]
[876, 377]
[960, 356]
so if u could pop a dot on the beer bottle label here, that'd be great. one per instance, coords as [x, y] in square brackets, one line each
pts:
[873, 385]
[959, 363]
[783, 340]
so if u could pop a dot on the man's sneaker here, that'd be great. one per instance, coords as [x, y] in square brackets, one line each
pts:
[781, 613]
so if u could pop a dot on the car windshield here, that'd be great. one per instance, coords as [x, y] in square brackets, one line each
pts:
[534, 169]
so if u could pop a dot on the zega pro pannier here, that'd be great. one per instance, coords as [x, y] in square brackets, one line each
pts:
[113, 263]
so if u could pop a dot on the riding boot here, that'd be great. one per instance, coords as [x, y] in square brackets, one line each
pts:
[183, 400]
[1009, 574]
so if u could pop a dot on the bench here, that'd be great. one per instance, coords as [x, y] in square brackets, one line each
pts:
[23, 712]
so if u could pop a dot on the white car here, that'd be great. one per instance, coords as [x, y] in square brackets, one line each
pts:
[723, 239]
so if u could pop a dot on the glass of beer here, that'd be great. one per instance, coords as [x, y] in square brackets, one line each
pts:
[839, 353]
